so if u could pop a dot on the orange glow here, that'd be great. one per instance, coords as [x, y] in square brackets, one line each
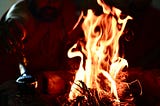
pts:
[100, 52]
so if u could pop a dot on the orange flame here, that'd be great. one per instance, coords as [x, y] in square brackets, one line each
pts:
[101, 49]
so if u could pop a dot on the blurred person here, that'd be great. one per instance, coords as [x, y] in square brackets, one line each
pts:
[41, 29]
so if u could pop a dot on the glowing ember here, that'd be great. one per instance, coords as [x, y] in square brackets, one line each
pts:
[101, 66]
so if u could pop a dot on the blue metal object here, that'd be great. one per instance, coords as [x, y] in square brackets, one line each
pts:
[26, 83]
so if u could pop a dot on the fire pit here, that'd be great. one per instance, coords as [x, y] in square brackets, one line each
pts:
[103, 77]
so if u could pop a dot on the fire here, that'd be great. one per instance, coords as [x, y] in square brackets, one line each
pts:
[100, 62]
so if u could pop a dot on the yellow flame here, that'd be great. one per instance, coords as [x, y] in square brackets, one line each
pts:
[101, 49]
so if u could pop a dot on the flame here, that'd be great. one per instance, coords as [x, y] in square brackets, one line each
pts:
[100, 51]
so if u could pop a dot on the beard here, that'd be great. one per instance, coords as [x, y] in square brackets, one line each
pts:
[46, 13]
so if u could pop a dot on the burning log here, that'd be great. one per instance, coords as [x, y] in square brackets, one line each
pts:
[90, 97]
